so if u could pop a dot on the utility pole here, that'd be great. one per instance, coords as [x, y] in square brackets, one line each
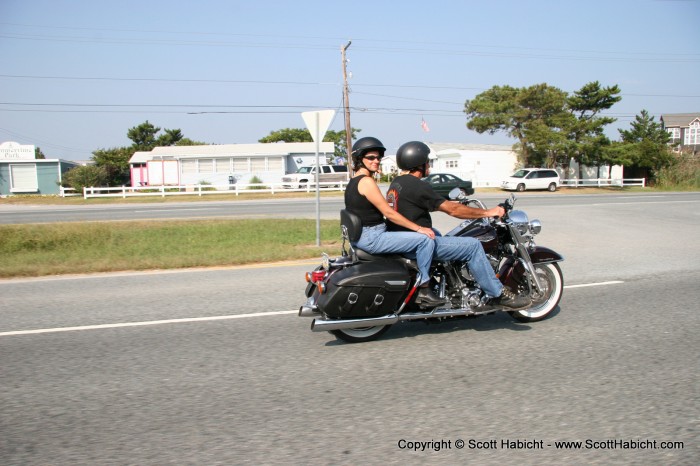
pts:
[346, 100]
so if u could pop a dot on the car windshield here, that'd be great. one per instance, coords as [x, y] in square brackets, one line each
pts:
[520, 174]
[304, 170]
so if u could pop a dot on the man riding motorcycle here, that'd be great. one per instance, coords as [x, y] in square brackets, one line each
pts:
[415, 199]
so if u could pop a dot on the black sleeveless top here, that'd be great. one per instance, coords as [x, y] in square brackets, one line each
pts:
[360, 206]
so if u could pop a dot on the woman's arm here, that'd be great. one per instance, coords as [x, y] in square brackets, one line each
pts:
[368, 188]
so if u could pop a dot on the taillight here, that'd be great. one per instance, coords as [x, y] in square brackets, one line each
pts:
[316, 277]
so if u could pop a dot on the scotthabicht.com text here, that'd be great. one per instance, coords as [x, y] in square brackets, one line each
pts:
[538, 444]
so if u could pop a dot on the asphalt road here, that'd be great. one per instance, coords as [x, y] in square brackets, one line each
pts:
[214, 366]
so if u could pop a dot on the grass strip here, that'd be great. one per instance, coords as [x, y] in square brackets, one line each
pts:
[68, 248]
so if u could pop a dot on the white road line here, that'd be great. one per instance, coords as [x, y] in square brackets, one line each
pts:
[197, 319]
[594, 284]
[143, 324]
[172, 210]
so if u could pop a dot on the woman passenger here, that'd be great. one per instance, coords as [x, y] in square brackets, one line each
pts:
[364, 199]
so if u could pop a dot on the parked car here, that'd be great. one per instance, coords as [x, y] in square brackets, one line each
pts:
[532, 178]
[443, 183]
[307, 174]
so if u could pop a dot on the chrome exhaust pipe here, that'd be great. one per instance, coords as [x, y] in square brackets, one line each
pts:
[321, 325]
[309, 311]
[436, 313]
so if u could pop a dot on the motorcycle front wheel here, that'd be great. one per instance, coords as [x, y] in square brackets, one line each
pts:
[552, 281]
[359, 335]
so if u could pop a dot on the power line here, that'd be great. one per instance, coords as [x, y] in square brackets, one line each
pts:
[300, 83]
[520, 51]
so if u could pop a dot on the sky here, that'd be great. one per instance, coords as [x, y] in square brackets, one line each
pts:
[77, 74]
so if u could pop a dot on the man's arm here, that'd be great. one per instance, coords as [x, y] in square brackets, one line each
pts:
[455, 209]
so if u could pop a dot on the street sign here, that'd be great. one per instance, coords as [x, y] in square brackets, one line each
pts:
[318, 122]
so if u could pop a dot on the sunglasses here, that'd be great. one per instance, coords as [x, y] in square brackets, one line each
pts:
[373, 157]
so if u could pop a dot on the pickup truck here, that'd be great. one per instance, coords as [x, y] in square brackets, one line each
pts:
[307, 174]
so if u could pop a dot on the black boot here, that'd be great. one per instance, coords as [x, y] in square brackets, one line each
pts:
[513, 301]
[426, 298]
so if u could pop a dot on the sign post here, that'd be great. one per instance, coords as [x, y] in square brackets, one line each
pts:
[318, 122]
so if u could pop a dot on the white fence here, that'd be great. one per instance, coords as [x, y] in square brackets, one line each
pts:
[576, 183]
[272, 188]
[204, 189]
[604, 182]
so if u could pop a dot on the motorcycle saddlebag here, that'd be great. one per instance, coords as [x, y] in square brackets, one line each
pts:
[368, 289]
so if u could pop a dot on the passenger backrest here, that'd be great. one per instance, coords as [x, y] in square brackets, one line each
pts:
[351, 225]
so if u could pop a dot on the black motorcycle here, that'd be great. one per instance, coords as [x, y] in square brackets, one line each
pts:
[359, 296]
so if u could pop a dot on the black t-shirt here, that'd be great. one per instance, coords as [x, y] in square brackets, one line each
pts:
[414, 199]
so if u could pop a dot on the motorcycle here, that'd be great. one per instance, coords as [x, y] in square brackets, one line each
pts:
[358, 296]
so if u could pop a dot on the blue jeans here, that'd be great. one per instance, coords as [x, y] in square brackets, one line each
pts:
[470, 250]
[376, 240]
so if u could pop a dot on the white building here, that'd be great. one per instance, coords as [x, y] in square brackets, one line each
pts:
[483, 164]
[487, 165]
[223, 164]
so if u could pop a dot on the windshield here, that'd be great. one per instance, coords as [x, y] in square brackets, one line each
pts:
[305, 170]
[520, 174]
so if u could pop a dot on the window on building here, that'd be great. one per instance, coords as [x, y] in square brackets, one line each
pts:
[206, 165]
[675, 133]
[23, 178]
[275, 164]
[223, 165]
[240, 164]
[692, 134]
[189, 167]
[257, 164]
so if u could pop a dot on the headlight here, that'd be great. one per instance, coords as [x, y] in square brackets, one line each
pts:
[535, 226]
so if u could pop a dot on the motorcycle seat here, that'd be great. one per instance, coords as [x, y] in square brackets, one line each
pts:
[367, 257]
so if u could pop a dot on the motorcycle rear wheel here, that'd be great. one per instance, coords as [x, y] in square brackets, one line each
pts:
[360, 335]
[552, 279]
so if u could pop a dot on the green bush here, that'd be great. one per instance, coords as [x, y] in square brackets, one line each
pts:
[684, 173]
[85, 176]
[255, 179]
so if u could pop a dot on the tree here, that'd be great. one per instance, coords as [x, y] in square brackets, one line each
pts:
[115, 162]
[144, 137]
[551, 127]
[587, 130]
[288, 135]
[303, 135]
[522, 113]
[189, 142]
[38, 154]
[85, 176]
[645, 144]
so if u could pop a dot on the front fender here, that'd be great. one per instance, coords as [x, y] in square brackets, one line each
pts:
[542, 255]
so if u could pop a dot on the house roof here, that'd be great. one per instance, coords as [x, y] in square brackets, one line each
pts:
[682, 120]
[232, 150]
[444, 146]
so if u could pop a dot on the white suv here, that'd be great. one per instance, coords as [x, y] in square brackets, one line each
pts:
[532, 178]
[307, 174]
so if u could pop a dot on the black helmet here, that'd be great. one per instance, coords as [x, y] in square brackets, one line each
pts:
[411, 155]
[363, 145]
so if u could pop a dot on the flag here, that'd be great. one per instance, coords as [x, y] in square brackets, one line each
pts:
[424, 125]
